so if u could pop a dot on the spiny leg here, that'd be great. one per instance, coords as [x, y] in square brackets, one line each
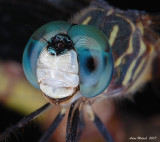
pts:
[99, 124]
[72, 123]
[46, 136]
[23, 122]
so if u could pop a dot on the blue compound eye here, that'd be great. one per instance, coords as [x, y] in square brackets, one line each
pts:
[64, 60]
[95, 59]
[35, 45]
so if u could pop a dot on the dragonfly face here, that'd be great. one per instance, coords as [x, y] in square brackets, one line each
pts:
[133, 56]
[68, 61]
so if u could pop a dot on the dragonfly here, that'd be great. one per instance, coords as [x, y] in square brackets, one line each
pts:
[134, 56]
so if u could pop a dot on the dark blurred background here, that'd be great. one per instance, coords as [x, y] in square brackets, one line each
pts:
[19, 18]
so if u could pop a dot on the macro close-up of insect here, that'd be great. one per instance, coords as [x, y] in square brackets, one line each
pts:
[85, 71]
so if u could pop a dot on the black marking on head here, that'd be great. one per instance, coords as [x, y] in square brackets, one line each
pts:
[59, 44]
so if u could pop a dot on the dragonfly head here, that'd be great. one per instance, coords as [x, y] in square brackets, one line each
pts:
[68, 62]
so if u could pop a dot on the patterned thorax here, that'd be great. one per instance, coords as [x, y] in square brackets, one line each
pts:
[134, 53]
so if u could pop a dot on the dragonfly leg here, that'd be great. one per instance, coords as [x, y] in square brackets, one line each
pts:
[81, 126]
[23, 122]
[99, 124]
[46, 136]
[72, 123]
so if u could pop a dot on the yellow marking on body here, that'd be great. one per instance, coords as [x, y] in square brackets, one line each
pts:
[142, 47]
[119, 60]
[139, 68]
[130, 48]
[83, 13]
[147, 71]
[113, 35]
[129, 72]
[109, 12]
[87, 20]
[140, 27]
[130, 51]
[127, 20]
[87, 10]
[142, 62]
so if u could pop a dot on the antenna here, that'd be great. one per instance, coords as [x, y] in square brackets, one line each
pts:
[71, 27]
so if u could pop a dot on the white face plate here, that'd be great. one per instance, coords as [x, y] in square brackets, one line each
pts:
[58, 75]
